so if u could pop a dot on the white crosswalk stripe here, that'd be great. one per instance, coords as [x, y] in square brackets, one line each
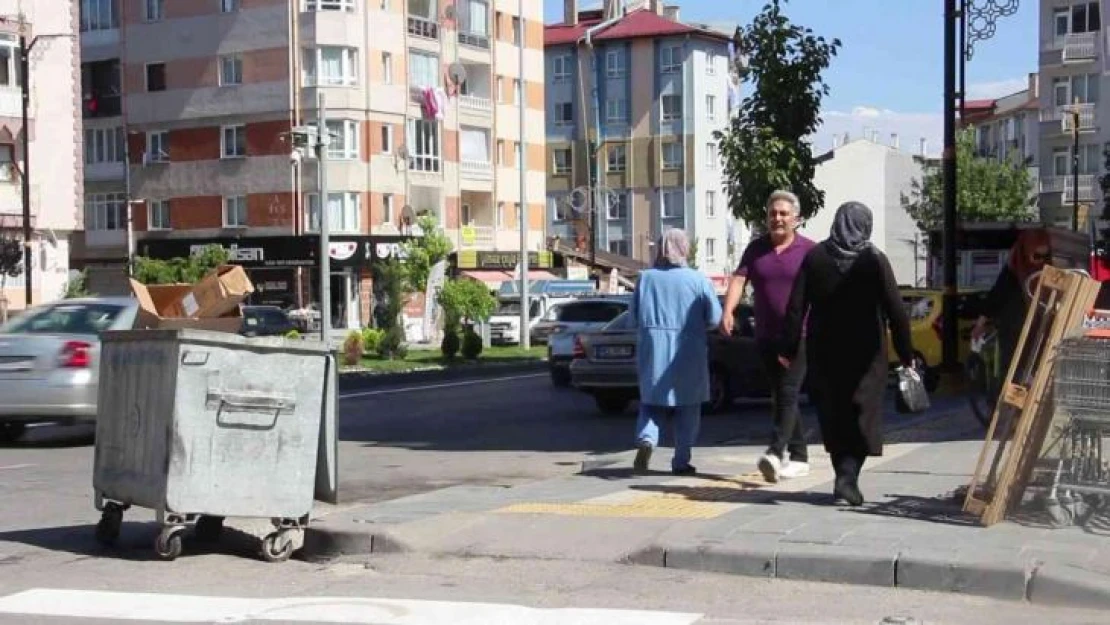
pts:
[367, 611]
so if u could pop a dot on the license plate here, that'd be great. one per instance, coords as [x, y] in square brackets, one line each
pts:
[613, 352]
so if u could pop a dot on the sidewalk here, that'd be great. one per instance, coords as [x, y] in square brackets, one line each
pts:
[911, 532]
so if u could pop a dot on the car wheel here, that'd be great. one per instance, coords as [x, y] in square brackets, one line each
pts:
[719, 394]
[611, 403]
[560, 377]
[10, 432]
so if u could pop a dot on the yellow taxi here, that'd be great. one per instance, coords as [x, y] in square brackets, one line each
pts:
[924, 306]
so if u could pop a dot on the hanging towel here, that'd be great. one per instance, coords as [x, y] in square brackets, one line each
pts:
[441, 102]
[429, 103]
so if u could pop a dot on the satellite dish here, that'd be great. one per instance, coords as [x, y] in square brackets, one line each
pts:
[457, 72]
[449, 12]
[402, 152]
[408, 215]
[578, 198]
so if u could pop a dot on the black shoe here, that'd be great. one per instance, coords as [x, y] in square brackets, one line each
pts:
[686, 470]
[643, 458]
[848, 491]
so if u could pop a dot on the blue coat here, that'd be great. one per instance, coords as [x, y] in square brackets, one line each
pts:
[673, 308]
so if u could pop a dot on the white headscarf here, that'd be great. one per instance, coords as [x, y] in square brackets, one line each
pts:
[674, 247]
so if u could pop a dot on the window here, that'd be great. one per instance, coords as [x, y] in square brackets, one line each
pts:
[387, 208]
[158, 146]
[616, 158]
[387, 68]
[517, 35]
[670, 59]
[501, 90]
[564, 113]
[710, 249]
[619, 247]
[330, 65]
[7, 162]
[466, 215]
[560, 208]
[500, 216]
[387, 139]
[618, 206]
[1060, 21]
[9, 61]
[501, 152]
[332, 5]
[233, 141]
[343, 211]
[517, 97]
[1085, 87]
[156, 77]
[1061, 161]
[105, 211]
[711, 107]
[614, 64]
[424, 145]
[711, 204]
[672, 107]
[153, 10]
[229, 6]
[1085, 17]
[235, 211]
[231, 70]
[561, 67]
[474, 23]
[1090, 159]
[343, 139]
[423, 69]
[103, 145]
[672, 205]
[1061, 91]
[616, 110]
[158, 215]
[710, 63]
[474, 146]
[517, 155]
[711, 155]
[562, 163]
[98, 15]
[672, 155]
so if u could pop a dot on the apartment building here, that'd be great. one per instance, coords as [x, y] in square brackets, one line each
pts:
[1072, 67]
[651, 90]
[54, 143]
[200, 97]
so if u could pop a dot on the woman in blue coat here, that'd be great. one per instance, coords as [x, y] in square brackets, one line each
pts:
[673, 308]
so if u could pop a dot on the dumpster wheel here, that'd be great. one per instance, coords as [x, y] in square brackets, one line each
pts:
[168, 543]
[277, 546]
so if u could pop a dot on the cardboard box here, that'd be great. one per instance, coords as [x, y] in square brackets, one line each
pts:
[160, 307]
[217, 294]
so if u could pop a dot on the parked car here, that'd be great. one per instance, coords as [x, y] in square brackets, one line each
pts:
[924, 308]
[50, 359]
[604, 364]
[266, 321]
[583, 315]
[542, 329]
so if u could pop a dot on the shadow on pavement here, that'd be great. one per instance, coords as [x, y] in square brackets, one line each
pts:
[944, 509]
[744, 492]
[53, 437]
[135, 543]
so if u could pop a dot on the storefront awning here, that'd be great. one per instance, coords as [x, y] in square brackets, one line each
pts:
[493, 278]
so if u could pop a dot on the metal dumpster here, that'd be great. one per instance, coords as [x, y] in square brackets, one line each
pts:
[200, 425]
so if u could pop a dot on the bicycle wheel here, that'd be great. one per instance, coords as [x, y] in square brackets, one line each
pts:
[980, 393]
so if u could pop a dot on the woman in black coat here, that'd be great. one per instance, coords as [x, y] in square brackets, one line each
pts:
[847, 295]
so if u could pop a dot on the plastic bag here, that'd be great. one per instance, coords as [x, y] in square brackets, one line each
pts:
[912, 396]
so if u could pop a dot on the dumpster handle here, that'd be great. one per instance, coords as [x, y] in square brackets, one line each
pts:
[252, 402]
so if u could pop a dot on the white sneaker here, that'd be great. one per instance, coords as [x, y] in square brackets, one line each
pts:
[770, 465]
[794, 469]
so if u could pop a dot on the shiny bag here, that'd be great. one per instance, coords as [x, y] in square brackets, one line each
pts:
[912, 396]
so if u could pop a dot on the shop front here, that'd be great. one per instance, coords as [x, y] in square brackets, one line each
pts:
[493, 268]
[285, 269]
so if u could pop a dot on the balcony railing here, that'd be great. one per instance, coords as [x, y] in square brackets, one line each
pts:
[425, 28]
[1080, 47]
[102, 106]
[477, 170]
[476, 103]
[474, 40]
[425, 163]
[1064, 115]
[1066, 185]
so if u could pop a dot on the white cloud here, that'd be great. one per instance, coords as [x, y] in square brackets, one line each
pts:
[996, 88]
[863, 120]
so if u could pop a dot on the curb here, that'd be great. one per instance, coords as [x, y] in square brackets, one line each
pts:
[353, 539]
[360, 380]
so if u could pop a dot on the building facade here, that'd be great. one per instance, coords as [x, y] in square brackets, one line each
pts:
[50, 28]
[650, 90]
[200, 98]
[1072, 68]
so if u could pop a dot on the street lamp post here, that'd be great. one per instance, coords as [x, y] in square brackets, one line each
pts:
[1075, 166]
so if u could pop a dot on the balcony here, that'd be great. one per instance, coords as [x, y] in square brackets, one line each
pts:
[1080, 47]
[474, 40]
[423, 28]
[99, 106]
[476, 170]
[476, 103]
[1065, 185]
[1064, 116]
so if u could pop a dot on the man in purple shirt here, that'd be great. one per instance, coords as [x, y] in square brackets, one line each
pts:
[770, 263]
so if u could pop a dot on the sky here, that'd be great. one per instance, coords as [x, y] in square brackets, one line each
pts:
[888, 75]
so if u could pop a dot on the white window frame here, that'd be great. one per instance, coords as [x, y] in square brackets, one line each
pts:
[711, 155]
[616, 158]
[387, 208]
[518, 33]
[561, 169]
[619, 247]
[711, 107]
[387, 138]
[1061, 155]
[616, 110]
[235, 148]
[231, 70]
[501, 90]
[348, 218]
[666, 204]
[676, 113]
[97, 15]
[425, 146]
[429, 58]
[11, 45]
[158, 215]
[670, 59]
[387, 68]
[710, 64]
[314, 61]
[230, 6]
[234, 211]
[499, 218]
[343, 140]
[7, 162]
[162, 154]
[674, 148]
[561, 212]
[615, 65]
[97, 209]
[104, 145]
[561, 67]
[331, 5]
[561, 107]
[711, 204]
[710, 249]
[154, 10]
[1057, 14]
[618, 209]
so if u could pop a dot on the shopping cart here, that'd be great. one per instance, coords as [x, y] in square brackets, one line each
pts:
[1081, 483]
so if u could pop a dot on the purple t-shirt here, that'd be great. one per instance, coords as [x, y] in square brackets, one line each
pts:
[771, 275]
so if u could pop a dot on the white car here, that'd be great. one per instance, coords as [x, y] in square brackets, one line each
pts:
[583, 315]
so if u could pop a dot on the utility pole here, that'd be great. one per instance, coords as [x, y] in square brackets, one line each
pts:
[323, 215]
[950, 330]
[522, 219]
[25, 92]
[1075, 165]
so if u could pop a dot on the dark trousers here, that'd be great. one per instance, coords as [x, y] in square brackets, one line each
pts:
[786, 383]
[848, 466]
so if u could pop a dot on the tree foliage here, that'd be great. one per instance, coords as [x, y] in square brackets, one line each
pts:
[423, 252]
[987, 189]
[11, 257]
[77, 285]
[180, 270]
[392, 276]
[465, 299]
[765, 148]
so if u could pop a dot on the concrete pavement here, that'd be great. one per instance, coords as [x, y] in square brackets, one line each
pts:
[910, 534]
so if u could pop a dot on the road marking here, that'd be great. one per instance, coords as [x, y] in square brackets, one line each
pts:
[197, 609]
[425, 387]
[12, 467]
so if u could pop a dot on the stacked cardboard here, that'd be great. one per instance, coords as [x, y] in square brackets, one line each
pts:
[210, 304]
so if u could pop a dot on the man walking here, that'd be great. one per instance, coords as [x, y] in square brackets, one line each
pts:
[770, 263]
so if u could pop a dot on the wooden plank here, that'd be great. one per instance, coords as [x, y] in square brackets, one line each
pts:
[1015, 395]
[975, 506]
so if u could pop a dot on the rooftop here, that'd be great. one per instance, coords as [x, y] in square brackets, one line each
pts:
[641, 23]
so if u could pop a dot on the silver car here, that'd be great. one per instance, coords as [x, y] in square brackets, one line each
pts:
[583, 315]
[49, 361]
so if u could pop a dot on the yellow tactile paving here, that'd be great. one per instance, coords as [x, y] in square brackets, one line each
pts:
[687, 498]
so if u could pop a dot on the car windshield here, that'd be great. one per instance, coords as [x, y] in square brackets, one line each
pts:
[513, 308]
[591, 312]
[622, 322]
[91, 319]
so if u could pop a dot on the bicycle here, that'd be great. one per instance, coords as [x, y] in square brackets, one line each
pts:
[984, 376]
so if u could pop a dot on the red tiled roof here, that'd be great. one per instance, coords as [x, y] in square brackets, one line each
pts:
[639, 23]
[979, 104]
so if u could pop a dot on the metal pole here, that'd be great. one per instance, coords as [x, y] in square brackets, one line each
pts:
[25, 91]
[323, 214]
[127, 200]
[1075, 167]
[525, 300]
[950, 344]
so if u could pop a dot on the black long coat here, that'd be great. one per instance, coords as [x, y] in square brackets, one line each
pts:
[848, 313]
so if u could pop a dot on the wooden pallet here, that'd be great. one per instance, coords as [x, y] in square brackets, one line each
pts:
[1023, 412]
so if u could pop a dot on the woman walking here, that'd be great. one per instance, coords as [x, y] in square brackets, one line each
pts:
[848, 289]
[673, 307]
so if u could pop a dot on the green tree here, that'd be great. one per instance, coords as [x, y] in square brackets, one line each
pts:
[423, 252]
[77, 286]
[465, 299]
[987, 189]
[392, 276]
[11, 265]
[180, 270]
[765, 148]
[692, 254]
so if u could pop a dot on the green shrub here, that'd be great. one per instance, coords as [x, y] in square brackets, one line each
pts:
[471, 345]
[450, 345]
[392, 346]
[293, 334]
[371, 338]
[352, 348]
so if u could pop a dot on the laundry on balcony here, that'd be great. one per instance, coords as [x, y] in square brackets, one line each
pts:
[433, 102]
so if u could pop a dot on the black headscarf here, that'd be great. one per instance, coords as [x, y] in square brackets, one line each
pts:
[850, 235]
